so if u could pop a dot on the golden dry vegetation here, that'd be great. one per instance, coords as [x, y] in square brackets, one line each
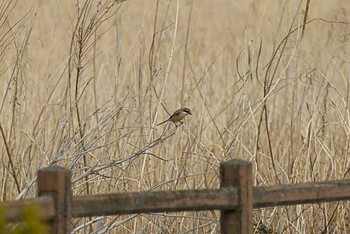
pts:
[83, 84]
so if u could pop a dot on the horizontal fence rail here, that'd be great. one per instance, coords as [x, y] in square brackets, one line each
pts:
[60, 206]
[216, 199]
[187, 200]
[158, 201]
[294, 194]
[45, 204]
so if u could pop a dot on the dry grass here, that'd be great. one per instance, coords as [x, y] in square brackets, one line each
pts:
[83, 87]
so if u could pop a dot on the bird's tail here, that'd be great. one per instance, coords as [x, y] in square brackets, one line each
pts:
[162, 122]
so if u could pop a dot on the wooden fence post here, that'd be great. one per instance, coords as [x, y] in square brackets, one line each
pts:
[238, 173]
[56, 182]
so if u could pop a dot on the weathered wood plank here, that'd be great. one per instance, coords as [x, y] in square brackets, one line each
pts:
[56, 182]
[238, 174]
[293, 194]
[14, 209]
[158, 201]
[187, 200]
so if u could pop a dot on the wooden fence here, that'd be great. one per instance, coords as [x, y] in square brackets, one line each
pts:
[236, 198]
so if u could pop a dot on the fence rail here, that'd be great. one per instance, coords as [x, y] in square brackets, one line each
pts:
[235, 198]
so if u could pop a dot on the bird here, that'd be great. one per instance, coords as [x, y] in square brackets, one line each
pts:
[177, 116]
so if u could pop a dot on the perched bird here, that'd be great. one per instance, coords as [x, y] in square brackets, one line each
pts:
[177, 116]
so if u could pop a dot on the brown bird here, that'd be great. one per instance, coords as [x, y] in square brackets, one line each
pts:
[177, 116]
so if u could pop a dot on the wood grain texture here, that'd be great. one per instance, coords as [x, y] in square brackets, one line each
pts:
[238, 174]
[44, 204]
[159, 201]
[293, 194]
[56, 182]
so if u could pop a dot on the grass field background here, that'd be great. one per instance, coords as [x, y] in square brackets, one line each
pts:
[84, 83]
